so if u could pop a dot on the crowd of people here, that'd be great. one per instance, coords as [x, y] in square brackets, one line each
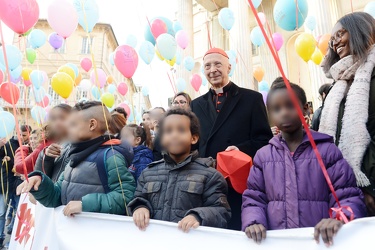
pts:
[91, 160]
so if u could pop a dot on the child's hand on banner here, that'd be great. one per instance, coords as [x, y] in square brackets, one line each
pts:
[327, 228]
[190, 221]
[256, 232]
[141, 218]
[26, 186]
[73, 207]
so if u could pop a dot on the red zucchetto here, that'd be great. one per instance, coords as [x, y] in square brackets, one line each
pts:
[216, 51]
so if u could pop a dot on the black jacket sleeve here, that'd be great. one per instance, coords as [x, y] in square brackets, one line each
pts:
[140, 198]
[45, 164]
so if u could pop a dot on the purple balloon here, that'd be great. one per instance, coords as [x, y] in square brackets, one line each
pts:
[265, 95]
[15, 80]
[55, 40]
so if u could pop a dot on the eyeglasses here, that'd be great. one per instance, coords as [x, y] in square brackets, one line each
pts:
[176, 103]
[337, 37]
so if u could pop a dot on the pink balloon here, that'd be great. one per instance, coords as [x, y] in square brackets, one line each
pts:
[182, 39]
[126, 60]
[278, 40]
[86, 64]
[19, 15]
[122, 88]
[1, 76]
[62, 17]
[196, 81]
[100, 79]
[126, 107]
[262, 17]
[158, 27]
[44, 103]
[27, 83]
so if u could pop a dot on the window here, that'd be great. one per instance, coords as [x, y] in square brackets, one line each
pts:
[24, 94]
[80, 94]
[62, 49]
[53, 94]
[86, 45]
[254, 50]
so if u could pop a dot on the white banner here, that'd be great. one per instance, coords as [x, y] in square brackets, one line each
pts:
[42, 228]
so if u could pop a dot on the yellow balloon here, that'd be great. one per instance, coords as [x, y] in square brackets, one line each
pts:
[171, 62]
[305, 46]
[108, 99]
[317, 56]
[158, 54]
[68, 70]
[62, 84]
[26, 74]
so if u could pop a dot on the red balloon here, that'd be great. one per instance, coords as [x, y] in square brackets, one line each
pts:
[158, 27]
[19, 15]
[126, 60]
[10, 92]
[196, 82]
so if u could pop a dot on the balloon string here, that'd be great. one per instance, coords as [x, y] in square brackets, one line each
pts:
[208, 35]
[351, 3]
[170, 80]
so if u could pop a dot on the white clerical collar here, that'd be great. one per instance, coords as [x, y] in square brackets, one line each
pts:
[220, 90]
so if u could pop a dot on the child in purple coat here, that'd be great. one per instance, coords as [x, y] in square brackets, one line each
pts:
[286, 186]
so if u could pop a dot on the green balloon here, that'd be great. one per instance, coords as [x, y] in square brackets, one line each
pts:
[30, 55]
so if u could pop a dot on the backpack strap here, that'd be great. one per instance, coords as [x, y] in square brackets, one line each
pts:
[101, 166]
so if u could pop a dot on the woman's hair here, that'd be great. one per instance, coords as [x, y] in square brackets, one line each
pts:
[187, 97]
[116, 123]
[143, 132]
[324, 89]
[361, 29]
[120, 110]
[279, 84]
[194, 122]
[64, 107]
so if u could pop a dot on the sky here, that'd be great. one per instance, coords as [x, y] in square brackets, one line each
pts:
[129, 17]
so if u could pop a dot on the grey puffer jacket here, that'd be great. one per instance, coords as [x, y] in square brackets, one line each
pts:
[172, 191]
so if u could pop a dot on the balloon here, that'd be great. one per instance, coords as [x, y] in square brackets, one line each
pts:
[95, 91]
[226, 18]
[263, 86]
[62, 84]
[258, 73]
[182, 39]
[88, 13]
[78, 79]
[55, 40]
[122, 88]
[256, 3]
[265, 95]
[158, 54]
[171, 62]
[16, 74]
[38, 114]
[37, 38]
[167, 46]
[177, 26]
[158, 27]
[1, 76]
[278, 40]
[232, 60]
[110, 59]
[74, 68]
[189, 63]
[10, 92]
[145, 90]
[7, 124]
[233, 68]
[27, 83]
[257, 37]
[370, 8]
[126, 107]
[262, 17]
[323, 43]
[196, 82]
[26, 74]
[178, 57]
[108, 99]
[19, 15]
[310, 22]
[86, 64]
[13, 54]
[148, 34]
[62, 17]
[44, 103]
[317, 57]
[85, 85]
[147, 52]
[98, 78]
[131, 40]
[305, 46]
[37, 78]
[68, 70]
[112, 89]
[110, 79]
[181, 84]
[284, 13]
[39, 94]
[126, 60]
[30, 55]
[204, 81]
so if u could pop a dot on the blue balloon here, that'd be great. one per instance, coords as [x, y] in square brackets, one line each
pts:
[95, 91]
[370, 8]
[263, 86]
[37, 78]
[111, 88]
[88, 13]
[189, 63]
[145, 90]
[74, 67]
[167, 46]
[147, 52]
[37, 38]
[14, 56]
[148, 35]
[204, 81]
[112, 58]
[256, 3]
[310, 22]
[284, 13]
[7, 124]
[181, 84]
[233, 68]
[177, 26]
[257, 37]
[178, 57]
[39, 94]
[16, 73]
[232, 56]
[226, 18]
[132, 41]
[131, 117]
[2, 67]
[38, 114]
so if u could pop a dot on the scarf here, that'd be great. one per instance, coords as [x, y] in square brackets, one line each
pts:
[80, 151]
[354, 137]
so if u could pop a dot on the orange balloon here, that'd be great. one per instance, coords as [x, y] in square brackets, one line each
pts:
[258, 73]
[78, 79]
[110, 79]
[323, 43]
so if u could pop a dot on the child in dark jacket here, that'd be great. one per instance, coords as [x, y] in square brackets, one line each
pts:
[182, 187]
[96, 176]
[286, 186]
[140, 138]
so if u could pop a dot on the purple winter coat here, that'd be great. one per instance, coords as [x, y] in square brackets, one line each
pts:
[285, 191]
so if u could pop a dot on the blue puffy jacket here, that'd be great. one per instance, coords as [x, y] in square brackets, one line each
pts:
[142, 157]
